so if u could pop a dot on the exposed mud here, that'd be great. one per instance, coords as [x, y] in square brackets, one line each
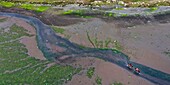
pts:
[121, 33]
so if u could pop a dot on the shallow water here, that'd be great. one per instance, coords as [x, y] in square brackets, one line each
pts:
[45, 35]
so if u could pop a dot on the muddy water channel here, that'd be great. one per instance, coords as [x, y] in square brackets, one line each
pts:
[60, 49]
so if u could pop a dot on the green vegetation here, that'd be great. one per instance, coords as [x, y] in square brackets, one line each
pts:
[90, 72]
[98, 80]
[80, 13]
[14, 32]
[119, 8]
[28, 6]
[6, 4]
[58, 30]
[167, 53]
[117, 45]
[88, 37]
[68, 12]
[34, 7]
[42, 8]
[124, 15]
[25, 6]
[109, 14]
[104, 44]
[153, 9]
[3, 19]
[18, 68]
[116, 83]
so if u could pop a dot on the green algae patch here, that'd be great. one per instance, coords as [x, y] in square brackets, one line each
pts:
[7, 4]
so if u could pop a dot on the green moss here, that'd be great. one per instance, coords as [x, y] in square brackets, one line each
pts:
[110, 14]
[28, 6]
[42, 8]
[90, 72]
[25, 6]
[153, 9]
[58, 30]
[6, 4]
[98, 80]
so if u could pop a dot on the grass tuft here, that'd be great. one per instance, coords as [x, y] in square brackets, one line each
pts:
[98, 80]
[90, 72]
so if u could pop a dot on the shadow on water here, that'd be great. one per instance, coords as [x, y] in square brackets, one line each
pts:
[45, 34]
